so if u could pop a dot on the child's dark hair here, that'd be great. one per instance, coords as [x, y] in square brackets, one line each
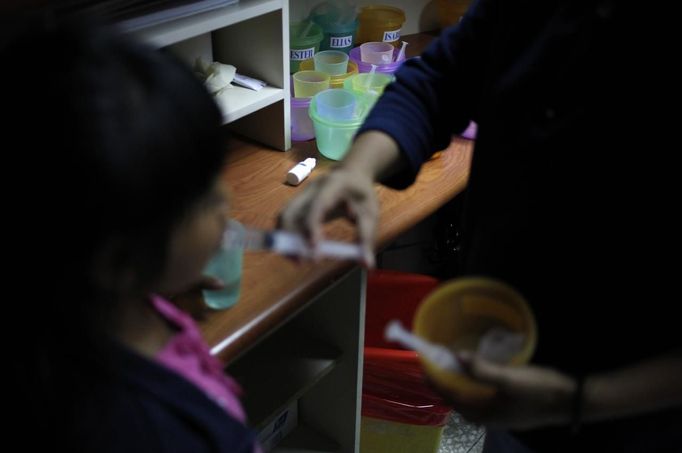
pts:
[115, 140]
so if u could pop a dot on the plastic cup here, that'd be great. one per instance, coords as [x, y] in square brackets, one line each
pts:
[333, 62]
[380, 23]
[459, 313]
[226, 265]
[339, 24]
[333, 138]
[304, 42]
[368, 84]
[389, 68]
[335, 81]
[308, 83]
[301, 124]
[335, 104]
[376, 53]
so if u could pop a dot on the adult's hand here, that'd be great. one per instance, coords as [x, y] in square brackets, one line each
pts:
[526, 397]
[347, 190]
[341, 192]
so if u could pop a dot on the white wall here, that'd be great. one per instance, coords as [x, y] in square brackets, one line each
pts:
[420, 14]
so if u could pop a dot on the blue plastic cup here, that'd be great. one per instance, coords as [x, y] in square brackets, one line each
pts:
[335, 104]
[226, 265]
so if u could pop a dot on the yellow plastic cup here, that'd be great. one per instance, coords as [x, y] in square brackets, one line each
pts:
[335, 81]
[308, 83]
[459, 313]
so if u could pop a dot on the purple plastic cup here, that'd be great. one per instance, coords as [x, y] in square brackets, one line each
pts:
[388, 68]
[301, 125]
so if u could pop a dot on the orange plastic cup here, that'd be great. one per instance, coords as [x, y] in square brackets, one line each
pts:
[380, 23]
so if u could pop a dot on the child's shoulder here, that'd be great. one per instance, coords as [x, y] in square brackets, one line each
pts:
[144, 407]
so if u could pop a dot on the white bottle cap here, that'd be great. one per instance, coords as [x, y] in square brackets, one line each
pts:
[301, 171]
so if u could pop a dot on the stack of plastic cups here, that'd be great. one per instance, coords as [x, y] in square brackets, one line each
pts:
[380, 23]
[305, 84]
[337, 114]
[304, 42]
[339, 24]
[336, 81]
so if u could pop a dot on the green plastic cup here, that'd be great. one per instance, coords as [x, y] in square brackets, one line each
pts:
[334, 137]
[304, 42]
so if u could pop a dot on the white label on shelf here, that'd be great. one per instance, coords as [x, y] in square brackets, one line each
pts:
[302, 54]
[390, 36]
[339, 42]
[283, 424]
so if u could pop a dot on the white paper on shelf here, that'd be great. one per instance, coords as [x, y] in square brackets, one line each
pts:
[248, 82]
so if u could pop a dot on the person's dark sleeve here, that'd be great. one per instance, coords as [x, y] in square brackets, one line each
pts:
[434, 96]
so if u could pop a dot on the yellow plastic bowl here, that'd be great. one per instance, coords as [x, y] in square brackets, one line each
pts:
[459, 312]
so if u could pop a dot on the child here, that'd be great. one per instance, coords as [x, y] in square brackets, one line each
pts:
[123, 147]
